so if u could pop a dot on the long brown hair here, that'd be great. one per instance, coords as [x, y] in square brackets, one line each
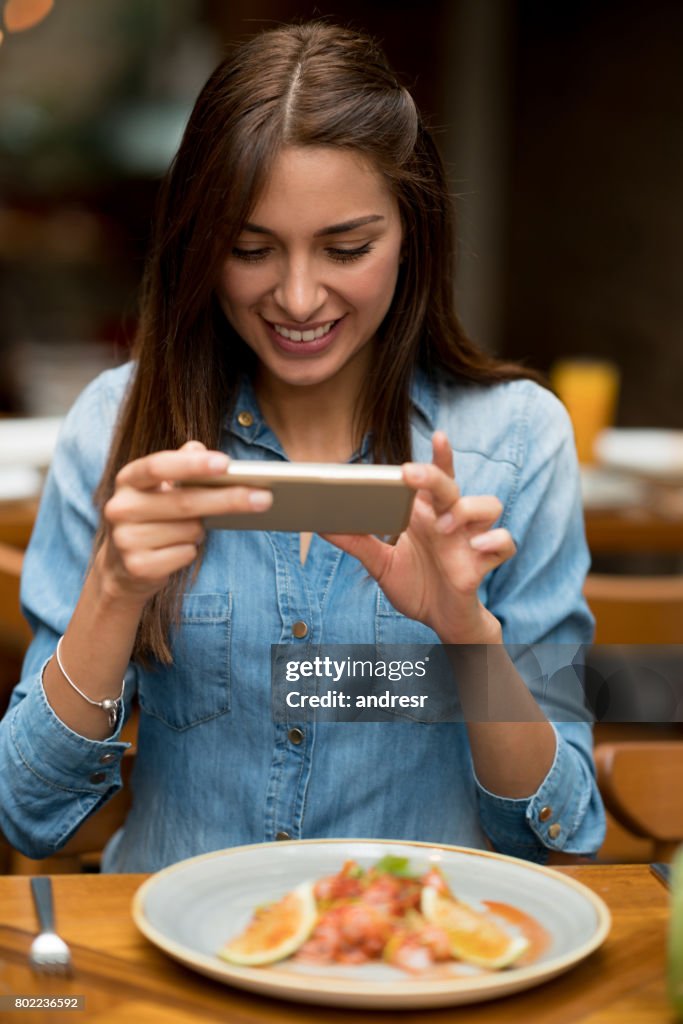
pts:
[311, 84]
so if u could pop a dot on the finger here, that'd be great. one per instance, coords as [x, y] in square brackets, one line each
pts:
[370, 551]
[158, 565]
[475, 514]
[152, 536]
[129, 504]
[442, 453]
[185, 463]
[428, 478]
[496, 544]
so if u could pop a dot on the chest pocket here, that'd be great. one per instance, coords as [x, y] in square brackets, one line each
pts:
[196, 687]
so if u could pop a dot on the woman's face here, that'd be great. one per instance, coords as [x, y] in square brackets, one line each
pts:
[313, 272]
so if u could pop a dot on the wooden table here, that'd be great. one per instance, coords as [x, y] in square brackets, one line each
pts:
[633, 530]
[124, 978]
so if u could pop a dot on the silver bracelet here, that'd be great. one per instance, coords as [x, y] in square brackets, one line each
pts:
[112, 708]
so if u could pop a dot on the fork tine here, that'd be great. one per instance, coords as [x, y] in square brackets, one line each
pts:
[48, 954]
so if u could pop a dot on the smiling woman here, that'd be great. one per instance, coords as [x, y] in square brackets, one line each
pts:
[298, 305]
[309, 290]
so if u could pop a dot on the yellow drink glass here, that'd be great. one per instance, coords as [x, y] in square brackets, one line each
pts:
[589, 389]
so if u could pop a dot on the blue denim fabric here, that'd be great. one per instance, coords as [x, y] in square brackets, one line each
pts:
[212, 769]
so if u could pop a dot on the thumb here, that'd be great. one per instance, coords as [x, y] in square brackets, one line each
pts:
[370, 551]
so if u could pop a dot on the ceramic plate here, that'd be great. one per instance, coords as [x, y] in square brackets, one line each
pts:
[28, 441]
[20, 483]
[607, 489]
[189, 910]
[652, 454]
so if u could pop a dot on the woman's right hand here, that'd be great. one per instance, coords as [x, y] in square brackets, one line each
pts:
[155, 528]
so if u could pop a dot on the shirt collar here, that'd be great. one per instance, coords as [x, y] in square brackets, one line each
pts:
[424, 397]
[246, 420]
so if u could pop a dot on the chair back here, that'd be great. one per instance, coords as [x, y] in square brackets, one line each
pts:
[640, 784]
[636, 762]
[636, 609]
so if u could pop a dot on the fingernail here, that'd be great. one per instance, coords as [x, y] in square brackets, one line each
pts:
[444, 522]
[415, 471]
[260, 499]
[218, 462]
[482, 542]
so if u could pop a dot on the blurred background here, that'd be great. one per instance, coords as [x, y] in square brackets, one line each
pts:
[560, 125]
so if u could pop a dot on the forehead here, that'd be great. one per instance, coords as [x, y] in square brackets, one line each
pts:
[321, 185]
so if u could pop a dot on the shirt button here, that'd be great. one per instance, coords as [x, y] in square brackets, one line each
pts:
[98, 777]
[245, 419]
[295, 736]
[107, 758]
[282, 836]
[545, 813]
[554, 831]
[299, 629]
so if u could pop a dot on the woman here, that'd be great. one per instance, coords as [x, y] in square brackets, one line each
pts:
[298, 305]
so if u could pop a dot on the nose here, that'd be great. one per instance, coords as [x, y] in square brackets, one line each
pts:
[299, 291]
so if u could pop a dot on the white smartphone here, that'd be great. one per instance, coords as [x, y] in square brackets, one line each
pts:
[318, 497]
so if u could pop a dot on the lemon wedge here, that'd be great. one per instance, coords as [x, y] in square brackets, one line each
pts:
[473, 936]
[275, 931]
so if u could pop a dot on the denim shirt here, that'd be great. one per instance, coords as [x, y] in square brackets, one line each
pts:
[213, 769]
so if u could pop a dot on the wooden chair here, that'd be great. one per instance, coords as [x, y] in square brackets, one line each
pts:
[641, 786]
[636, 610]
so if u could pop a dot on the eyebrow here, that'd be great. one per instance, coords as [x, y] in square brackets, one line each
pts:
[333, 229]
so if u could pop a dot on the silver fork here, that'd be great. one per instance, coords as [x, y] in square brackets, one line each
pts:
[48, 954]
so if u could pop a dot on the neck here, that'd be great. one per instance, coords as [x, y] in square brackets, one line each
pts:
[313, 423]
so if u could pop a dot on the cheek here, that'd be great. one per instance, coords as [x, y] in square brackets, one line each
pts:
[375, 289]
[237, 289]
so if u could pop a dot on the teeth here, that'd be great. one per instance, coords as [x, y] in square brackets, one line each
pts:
[319, 332]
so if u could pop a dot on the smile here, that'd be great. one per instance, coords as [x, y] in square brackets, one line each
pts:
[314, 335]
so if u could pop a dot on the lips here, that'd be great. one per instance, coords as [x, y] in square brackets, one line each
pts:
[305, 341]
[312, 334]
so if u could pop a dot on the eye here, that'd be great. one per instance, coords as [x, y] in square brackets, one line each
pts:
[250, 255]
[349, 255]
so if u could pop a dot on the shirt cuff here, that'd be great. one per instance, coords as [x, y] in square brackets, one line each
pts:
[530, 826]
[60, 757]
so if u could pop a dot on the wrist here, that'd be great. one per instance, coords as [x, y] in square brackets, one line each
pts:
[481, 628]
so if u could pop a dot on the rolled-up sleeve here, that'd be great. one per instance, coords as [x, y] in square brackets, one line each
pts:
[565, 813]
[56, 777]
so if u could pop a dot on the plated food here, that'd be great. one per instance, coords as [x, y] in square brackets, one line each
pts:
[388, 912]
[193, 908]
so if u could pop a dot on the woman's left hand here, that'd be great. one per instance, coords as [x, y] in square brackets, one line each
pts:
[433, 572]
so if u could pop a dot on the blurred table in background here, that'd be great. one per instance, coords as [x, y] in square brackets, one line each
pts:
[637, 529]
[633, 496]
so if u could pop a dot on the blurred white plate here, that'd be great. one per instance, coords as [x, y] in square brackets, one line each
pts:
[601, 488]
[191, 909]
[19, 483]
[655, 455]
[28, 441]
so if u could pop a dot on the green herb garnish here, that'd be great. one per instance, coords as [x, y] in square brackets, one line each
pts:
[392, 865]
